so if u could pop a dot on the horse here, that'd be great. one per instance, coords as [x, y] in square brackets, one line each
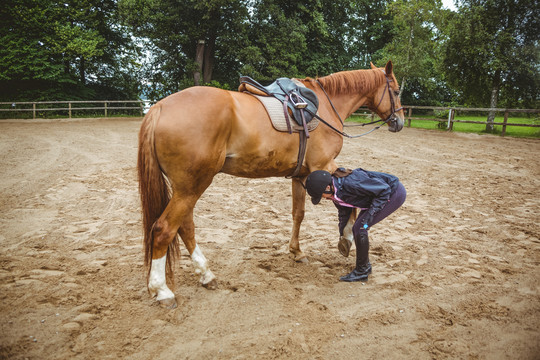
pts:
[188, 137]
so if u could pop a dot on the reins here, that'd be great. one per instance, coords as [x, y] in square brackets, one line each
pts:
[342, 133]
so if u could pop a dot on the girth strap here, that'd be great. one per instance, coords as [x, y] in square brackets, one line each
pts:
[301, 153]
[303, 136]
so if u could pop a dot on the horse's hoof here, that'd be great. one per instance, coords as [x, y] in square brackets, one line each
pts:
[344, 246]
[168, 303]
[211, 285]
[302, 259]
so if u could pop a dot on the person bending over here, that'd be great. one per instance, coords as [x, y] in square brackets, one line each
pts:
[376, 194]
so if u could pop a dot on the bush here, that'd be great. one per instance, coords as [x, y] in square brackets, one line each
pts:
[441, 114]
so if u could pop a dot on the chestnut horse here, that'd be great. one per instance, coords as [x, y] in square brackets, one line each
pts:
[189, 137]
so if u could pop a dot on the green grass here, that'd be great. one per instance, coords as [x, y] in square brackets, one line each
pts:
[516, 131]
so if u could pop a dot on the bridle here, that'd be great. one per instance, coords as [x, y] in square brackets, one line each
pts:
[392, 101]
[385, 121]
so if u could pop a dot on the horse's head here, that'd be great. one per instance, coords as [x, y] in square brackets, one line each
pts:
[385, 101]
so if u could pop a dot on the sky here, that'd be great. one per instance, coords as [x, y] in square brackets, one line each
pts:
[449, 4]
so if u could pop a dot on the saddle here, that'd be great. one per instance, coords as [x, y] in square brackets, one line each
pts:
[298, 101]
[301, 102]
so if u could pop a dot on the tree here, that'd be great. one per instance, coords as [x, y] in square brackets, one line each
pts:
[64, 50]
[313, 38]
[492, 53]
[185, 38]
[344, 35]
[487, 53]
[414, 44]
[373, 27]
[195, 42]
[276, 40]
[27, 63]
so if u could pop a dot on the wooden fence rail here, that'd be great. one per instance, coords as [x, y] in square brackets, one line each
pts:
[36, 108]
[451, 120]
[143, 105]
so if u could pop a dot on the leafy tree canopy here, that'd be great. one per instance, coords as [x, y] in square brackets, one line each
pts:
[73, 49]
[118, 49]
[492, 46]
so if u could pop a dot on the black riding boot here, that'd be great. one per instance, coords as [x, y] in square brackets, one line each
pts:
[363, 266]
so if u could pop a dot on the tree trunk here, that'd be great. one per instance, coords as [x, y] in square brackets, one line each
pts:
[402, 86]
[209, 59]
[493, 102]
[66, 67]
[214, 19]
[199, 57]
[82, 71]
[407, 66]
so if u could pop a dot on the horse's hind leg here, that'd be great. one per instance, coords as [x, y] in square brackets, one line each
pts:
[164, 233]
[187, 233]
[176, 219]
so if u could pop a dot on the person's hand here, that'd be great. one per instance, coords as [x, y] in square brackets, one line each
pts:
[368, 219]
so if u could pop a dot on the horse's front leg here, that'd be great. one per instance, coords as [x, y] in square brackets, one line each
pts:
[298, 210]
[347, 239]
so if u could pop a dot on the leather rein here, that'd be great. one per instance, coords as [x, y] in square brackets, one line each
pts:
[388, 118]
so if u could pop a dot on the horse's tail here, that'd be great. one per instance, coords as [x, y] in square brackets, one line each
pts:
[153, 187]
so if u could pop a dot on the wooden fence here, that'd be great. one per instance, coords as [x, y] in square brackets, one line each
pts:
[141, 106]
[71, 107]
[451, 120]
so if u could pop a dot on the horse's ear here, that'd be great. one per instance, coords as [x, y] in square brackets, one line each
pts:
[372, 66]
[389, 67]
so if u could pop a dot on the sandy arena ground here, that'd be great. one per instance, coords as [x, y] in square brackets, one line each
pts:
[456, 270]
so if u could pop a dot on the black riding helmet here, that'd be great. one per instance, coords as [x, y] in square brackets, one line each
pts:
[316, 184]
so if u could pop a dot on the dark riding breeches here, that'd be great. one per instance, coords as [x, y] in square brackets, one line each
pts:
[362, 243]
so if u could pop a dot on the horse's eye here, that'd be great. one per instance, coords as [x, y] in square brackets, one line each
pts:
[396, 92]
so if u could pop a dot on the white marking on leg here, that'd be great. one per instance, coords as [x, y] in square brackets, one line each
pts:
[201, 266]
[157, 284]
[347, 231]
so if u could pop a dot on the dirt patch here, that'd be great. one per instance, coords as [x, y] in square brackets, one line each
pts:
[456, 270]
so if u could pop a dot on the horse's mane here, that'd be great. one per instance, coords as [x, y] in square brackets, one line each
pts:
[355, 81]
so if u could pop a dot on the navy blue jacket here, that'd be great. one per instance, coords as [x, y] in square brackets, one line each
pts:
[363, 189]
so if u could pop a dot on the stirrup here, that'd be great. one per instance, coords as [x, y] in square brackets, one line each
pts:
[299, 103]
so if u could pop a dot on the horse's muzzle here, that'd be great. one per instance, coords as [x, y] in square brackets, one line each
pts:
[395, 123]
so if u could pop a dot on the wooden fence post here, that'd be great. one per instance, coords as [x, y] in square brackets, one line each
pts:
[105, 108]
[504, 123]
[451, 119]
[409, 119]
[33, 110]
[69, 109]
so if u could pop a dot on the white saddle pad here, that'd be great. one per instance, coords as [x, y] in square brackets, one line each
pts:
[274, 108]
